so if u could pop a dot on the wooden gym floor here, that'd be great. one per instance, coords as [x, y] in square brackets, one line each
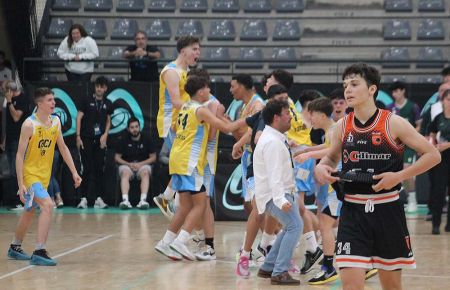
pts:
[112, 249]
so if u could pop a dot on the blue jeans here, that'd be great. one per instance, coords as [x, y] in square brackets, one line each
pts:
[279, 258]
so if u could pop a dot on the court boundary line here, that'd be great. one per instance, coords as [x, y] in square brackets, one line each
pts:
[57, 256]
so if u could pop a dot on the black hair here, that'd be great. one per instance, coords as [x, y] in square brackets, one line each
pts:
[397, 85]
[200, 73]
[322, 105]
[272, 108]
[132, 120]
[337, 93]
[82, 32]
[194, 84]
[284, 78]
[369, 73]
[244, 79]
[445, 71]
[264, 79]
[307, 96]
[185, 41]
[101, 81]
[140, 32]
[276, 90]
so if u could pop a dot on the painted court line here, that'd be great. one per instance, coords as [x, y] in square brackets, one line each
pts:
[57, 256]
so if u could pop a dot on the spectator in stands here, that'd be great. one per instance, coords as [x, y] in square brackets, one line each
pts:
[76, 48]
[93, 124]
[135, 155]
[143, 59]
[5, 72]
[445, 73]
[339, 104]
[16, 112]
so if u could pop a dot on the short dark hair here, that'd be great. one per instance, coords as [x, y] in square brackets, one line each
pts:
[244, 79]
[307, 96]
[283, 77]
[369, 73]
[200, 72]
[194, 84]
[101, 81]
[132, 120]
[272, 108]
[264, 79]
[321, 105]
[397, 85]
[276, 90]
[337, 93]
[185, 41]
[39, 93]
[445, 71]
[140, 32]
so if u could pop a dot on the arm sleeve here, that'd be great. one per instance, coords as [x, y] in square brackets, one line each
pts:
[273, 152]
[63, 51]
[91, 49]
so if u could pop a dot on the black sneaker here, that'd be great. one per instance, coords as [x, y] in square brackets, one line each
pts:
[310, 260]
[435, 230]
[323, 277]
[17, 253]
[265, 251]
[41, 258]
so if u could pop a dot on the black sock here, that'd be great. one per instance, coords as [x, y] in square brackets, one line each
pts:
[210, 242]
[328, 263]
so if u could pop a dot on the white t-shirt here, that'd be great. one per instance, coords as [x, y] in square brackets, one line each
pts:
[5, 74]
[86, 48]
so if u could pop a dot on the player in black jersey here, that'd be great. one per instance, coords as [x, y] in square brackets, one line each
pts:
[372, 230]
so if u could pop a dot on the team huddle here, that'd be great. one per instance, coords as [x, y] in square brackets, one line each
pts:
[351, 162]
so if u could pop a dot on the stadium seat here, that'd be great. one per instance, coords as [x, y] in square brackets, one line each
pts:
[158, 29]
[59, 28]
[49, 78]
[283, 54]
[393, 79]
[161, 64]
[190, 27]
[162, 6]
[398, 5]
[115, 79]
[222, 30]
[124, 29]
[290, 6]
[217, 79]
[226, 6]
[431, 53]
[219, 56]
[130, 6]
[430, 29]
[66, 5]
[257, 6]
[254, 30]
[98, 5]
[96, 28]
[115, 53]
[429, 79]
[194, 6]
[51, 52]
[431, 6]
[253, 54]
[393, 54]
[397, 30]
[286, 30]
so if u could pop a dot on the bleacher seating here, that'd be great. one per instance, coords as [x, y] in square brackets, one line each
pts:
[253, 54]
[254, 30]
[431, 6]
[429, 79]
[397, 30]
[393, 54]
[158, 29]
[194, 6]
[431, 53]
[66, 5]
[95, 28]
[257, 6]
[130, 5]
[227, 6]
[430, 29]
[219, 56]
[162, 6]
[283, 54]
[222, 30]
[289, 6]
[59, 28]
[190, 27]
[398, 5]
[124, 29]
[98, 5]
[286, 30]
[116, 53]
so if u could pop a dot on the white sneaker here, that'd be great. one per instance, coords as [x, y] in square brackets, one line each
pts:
[207, 255]
[99, 203]
[183, 250]
[143, 205]
[125, 205]
[83, 203]
[412, 207]
[18, 207]
[165, 249]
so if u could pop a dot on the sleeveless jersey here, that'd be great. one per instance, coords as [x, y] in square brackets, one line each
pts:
[245, 114]
[211, 147]
[189, 147]
[298, 131]
[167, 114]
[369, 149]
[37, 165]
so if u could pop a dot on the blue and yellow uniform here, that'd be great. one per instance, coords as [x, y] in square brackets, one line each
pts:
[211, 158]
[38, 160]
[167, 114]
[187, 159]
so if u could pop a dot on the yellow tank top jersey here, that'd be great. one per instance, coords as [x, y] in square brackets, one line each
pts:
[298, 131]
[37, 165]
[167, 114]
[189, 147]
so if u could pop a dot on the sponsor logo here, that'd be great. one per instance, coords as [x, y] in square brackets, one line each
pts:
[66, 110]
[350, 137]
[233, 187]
[376, 138]
[361, 142]
[125, 106]
[356, 156]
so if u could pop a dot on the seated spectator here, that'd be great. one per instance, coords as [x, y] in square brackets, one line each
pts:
[5, 72]
[135, 156]
[76, 48]
[143, 64]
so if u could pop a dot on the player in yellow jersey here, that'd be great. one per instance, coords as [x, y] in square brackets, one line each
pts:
[172, 96]
[186, 165]
[40, 132]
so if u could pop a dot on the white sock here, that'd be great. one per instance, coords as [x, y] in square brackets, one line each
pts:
[143, 197]
[169, 237]
[245, 253]
[200, 235]
[125, 197]
[184, 236]
[168, 193]
[335, 231]
[310, 241]
[412, 197]
[267, 240]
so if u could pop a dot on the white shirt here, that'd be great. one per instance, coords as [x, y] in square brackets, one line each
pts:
[86, 48]
[273, 169]
[436, 109]
[5, 74]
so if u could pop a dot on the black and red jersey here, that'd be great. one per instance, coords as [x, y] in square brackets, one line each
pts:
[369, 148]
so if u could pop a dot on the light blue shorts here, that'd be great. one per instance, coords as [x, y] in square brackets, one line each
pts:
[250, 189]
[329, 199]
[245, 161]
[35, 190]
[304, 176]
[183, 183]
[208, 181]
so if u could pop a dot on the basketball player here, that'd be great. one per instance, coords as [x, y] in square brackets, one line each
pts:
[372, 230]
[40, 132]
[172, 96]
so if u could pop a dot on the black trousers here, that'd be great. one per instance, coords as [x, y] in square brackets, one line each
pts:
[74, 77]
[93, 160]
[439, 177]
